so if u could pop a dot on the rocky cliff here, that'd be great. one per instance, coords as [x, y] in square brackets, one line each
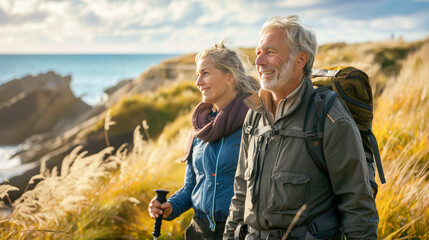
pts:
[34, 105]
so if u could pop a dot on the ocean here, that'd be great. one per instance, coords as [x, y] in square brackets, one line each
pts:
[91, 75]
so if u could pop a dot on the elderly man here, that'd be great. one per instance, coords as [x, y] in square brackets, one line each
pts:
[277, 184]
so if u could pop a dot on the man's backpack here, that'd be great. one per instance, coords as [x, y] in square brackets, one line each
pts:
[352, 86]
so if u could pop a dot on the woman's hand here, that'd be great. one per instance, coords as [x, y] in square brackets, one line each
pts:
[156, 209]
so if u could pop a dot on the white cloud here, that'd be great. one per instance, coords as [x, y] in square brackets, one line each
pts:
[146, 38]
[177, 25]
[22, 7]
[55, 8]
[179, 10]
[248, 13]
[6, 5]
[8, 40]
[297, 3]
[113, 10]
[213, 12]
[394, 23]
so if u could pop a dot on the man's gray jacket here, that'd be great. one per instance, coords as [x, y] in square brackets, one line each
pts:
[276, 175]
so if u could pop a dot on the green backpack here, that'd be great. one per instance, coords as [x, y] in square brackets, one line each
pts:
[352, 86]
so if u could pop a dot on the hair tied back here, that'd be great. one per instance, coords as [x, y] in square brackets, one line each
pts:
[220, 44]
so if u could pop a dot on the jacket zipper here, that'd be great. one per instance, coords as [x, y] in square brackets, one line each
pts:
[213, 224]
[204, 167]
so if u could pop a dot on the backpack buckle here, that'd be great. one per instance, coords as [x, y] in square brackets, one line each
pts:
[275, 132]
[249, 129]
[310, 135]
[313, 228]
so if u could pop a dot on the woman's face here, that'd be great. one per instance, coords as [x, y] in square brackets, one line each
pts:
[215, 85]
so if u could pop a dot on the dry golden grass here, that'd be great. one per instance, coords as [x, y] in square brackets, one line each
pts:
[101, 196]
[402, 126]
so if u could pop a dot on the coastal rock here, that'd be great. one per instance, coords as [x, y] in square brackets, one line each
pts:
[34, 105]
[109, 91]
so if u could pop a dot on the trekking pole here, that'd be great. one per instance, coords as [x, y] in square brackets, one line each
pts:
[161, 196]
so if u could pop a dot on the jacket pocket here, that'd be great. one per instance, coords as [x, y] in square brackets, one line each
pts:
[287, 191]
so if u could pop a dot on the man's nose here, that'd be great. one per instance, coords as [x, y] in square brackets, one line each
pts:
[260, 60]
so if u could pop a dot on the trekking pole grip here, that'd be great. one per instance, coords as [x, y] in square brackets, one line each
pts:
[161, 196]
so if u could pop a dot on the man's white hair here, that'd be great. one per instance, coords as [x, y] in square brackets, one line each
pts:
[298, 37]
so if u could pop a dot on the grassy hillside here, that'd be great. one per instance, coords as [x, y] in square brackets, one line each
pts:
[106, 196]
[157, 109]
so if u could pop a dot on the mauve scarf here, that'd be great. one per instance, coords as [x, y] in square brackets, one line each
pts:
[211, 128]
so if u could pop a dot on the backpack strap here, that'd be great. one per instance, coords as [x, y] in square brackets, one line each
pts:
[374, 146]
[298, 133]
[318, 107]
[252, 129]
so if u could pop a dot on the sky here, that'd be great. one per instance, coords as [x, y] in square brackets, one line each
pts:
[184, 26]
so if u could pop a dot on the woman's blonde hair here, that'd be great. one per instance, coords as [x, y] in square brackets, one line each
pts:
[228, 61]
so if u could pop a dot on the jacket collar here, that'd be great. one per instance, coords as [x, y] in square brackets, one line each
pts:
[262, 101]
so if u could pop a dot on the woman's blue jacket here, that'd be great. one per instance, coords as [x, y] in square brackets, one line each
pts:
[209, 179]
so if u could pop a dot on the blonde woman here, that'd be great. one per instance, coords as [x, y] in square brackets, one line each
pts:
[212, 161]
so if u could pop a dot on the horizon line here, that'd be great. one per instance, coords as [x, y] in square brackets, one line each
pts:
[94, 53]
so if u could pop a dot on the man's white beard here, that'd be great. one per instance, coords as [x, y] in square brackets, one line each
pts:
[282, 79]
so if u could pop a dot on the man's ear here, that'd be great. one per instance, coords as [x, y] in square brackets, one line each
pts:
[302, 59]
